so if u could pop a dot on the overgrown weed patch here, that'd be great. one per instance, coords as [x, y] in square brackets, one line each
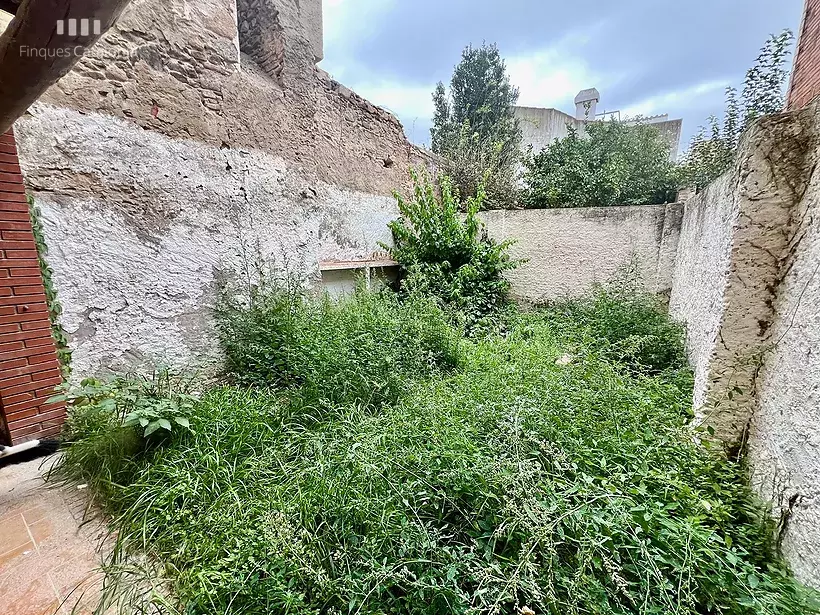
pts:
[514, 481]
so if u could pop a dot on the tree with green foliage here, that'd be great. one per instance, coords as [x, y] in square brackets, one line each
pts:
[450, 258]
[475, 129]
[712, 151]
[611, 163]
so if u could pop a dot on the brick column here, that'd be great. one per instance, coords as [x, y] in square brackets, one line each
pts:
[29, 369]
[805, 81]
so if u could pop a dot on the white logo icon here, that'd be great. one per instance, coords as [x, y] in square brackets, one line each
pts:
[81, 27]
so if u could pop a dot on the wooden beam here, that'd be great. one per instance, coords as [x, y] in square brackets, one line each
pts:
[10, 6]
[35, 52]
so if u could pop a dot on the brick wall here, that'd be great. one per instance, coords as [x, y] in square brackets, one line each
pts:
[805, 81]
[29, 369]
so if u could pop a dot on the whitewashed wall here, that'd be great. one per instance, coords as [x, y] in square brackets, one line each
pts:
[567, 251]
[746, 285]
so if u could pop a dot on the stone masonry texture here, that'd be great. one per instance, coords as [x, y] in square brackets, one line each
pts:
[29, 369]
[244, 77]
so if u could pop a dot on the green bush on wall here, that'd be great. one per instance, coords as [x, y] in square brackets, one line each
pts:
[54, 306]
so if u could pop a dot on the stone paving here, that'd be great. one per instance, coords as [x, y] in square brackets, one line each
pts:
[48, 545]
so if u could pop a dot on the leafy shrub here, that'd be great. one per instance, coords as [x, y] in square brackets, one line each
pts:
[513, 483]
[451, 259]
[631, 328]
[710, 155]
[363, 348]
[612, 163]
[119, 417]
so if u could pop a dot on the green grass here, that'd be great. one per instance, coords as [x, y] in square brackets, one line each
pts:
[364, 349]
[509, 482]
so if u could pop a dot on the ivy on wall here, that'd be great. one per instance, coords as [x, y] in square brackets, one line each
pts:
[54, 306]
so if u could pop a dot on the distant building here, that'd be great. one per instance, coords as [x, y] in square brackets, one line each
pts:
[540, 127]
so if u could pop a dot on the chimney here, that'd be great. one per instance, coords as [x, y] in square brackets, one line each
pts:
[586, 103]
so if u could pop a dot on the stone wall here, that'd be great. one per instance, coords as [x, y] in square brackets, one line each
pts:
[570, 250]
[194, 135]
[262, 36]
[175, 68]
[142, 230]
[745, 284]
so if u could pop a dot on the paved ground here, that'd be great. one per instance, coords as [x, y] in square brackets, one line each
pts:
[48, 546]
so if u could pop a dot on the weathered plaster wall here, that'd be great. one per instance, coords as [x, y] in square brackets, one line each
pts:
[141, 228]
[193, 133]
[569, 250]
[784, 437]
[726, 298]
[701, 271]
[671, 131]
[746, 285]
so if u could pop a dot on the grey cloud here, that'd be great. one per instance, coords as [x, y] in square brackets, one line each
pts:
[655, 47]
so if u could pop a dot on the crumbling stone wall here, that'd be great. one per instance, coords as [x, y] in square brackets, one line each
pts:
[745, 285]
[261, 35]
[175, 68]
[182, 148]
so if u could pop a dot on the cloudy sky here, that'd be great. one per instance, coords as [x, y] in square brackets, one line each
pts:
[644, 56]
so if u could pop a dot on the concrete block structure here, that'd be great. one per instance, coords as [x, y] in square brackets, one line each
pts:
[541, 126]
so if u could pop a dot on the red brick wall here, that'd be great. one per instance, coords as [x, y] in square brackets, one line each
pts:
[805, 82]
[29, 369]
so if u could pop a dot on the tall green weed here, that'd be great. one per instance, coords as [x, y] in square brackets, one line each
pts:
[364, 348]
[517, 482]
[451, 259]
